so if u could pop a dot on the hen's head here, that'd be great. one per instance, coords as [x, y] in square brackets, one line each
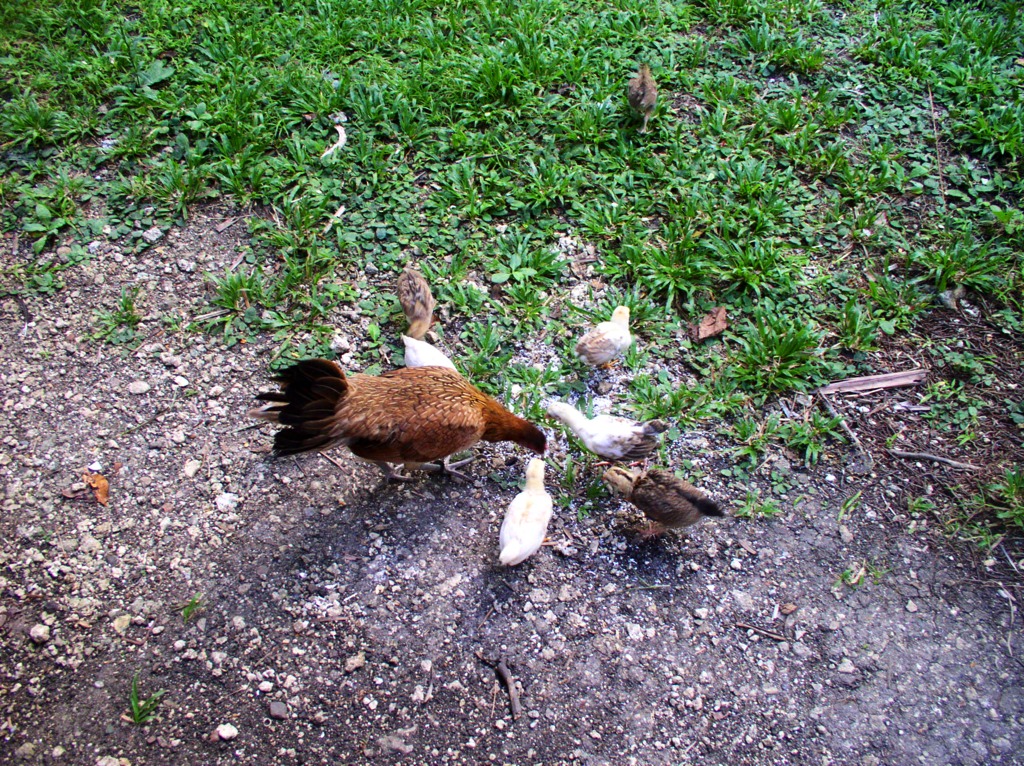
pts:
[532, 438]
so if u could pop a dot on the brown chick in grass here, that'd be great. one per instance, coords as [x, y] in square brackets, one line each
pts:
[643, 94]
[417, 302]
[668, 501]
[413, 415]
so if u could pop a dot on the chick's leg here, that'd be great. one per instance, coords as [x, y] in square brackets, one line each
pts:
[652, 530]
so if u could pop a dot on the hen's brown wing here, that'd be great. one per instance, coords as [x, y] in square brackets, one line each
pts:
[416, 414]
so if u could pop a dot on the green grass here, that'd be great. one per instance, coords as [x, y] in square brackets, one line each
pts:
[192, 607]
[820, 169]
[140, 710]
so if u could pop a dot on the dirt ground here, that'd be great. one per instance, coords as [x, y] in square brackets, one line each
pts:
[349, 621]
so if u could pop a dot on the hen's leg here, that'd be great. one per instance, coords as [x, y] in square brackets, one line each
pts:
[450, 468]
[390, 474]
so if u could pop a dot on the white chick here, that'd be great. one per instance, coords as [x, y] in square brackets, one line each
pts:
[611, 437]
[526, 521]
[419, 353]
[606, 342]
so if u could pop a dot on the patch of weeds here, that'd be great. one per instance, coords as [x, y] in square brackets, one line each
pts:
[963, 364]
[809, 436]
[523, 260]
[754, 437]
[1015, 411]
[977, 265]
[857, 330]
[953, 409]
[849, 506]
[192, 607]
[753, 507]
[857, 574]
[1006, 497]
[488, 354]
[775, 354]
[140, 710]
[119, 325]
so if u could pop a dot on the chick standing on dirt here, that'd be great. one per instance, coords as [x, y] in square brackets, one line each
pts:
[606, 342]
[526, 521]
[668, 501]
[417, 302]
[643, 94]
[607, 436]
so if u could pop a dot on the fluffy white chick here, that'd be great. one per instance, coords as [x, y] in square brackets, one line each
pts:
[606, 342]
[526, 521]
[608, 436]
[419, 353]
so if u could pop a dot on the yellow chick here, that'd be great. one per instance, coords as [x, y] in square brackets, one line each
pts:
[419, 353]
[526, 521]
[606, 342]
[417, 302]
[643, 94]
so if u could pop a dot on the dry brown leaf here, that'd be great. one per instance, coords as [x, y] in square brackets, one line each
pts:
[100, 485]
[715, 323]
[788, 608]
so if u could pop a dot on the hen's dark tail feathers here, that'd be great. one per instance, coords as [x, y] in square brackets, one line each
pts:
[306, 404]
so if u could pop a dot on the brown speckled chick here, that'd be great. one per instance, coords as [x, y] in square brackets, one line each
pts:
[413, 415]
[417, 302]
[643, 94]
[668, 501]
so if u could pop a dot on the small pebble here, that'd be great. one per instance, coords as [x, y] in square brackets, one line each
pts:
[152, 235]
[278, 710]
[39, 634]
[138, 387]
[356, 661]
[227, 732]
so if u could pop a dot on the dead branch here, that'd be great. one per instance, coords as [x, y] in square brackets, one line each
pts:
[869, 462]
[506, 678]
[763, 631]
[934, 458]
[875, 382]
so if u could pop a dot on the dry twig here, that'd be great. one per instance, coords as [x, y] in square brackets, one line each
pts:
[875, 382]
[869, 462]
[934, 458]
[330, 459]
[506, 677]
[763, 631]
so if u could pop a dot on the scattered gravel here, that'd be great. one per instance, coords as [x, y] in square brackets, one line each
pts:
[342, 620]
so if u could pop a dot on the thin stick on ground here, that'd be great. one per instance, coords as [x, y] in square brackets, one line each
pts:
[938, 152]
[763, 631]
[327, 457]
[934, 458]
[509, 681]
[830, 408]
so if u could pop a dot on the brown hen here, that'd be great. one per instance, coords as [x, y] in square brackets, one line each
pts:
[413, 415]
